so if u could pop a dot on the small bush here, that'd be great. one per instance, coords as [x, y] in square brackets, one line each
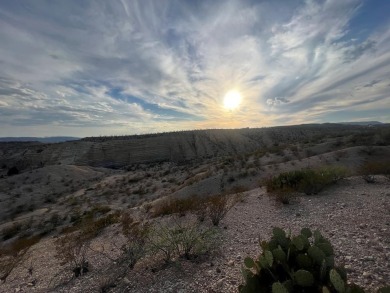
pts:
[106, 283]
[176, 206]
[71, 250]
[284, 196]
[135, 247]
[92, 228]
[309, 181]
[368, 169]
[13, 254]
[188, 240]
[218, 207]
[19, 245]
[301, 263]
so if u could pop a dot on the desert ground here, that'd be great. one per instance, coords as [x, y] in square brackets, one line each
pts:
[95, 197]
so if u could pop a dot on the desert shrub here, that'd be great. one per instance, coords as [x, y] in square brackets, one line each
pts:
[71, 250]
[218, 206]
[19, 245]
[309, 181]
[106, 283]
[175, 206]
[91, 228]
[237, 189]
[200, 209]
[136, 246]
[369, 168]
[301, 263]
[188, 240]
[215, 207]
[13, 254]
[284, 196]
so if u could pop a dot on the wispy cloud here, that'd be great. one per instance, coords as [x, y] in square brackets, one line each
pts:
[101, 67]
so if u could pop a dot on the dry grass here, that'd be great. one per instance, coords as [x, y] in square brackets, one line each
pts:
[375, 168]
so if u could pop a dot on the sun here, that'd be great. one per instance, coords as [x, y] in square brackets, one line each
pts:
[232, 100]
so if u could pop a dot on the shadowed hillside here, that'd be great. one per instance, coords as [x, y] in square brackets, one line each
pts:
[180, 147]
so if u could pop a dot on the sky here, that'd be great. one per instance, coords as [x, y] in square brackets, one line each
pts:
[90, 68]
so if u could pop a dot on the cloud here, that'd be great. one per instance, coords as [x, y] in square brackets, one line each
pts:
[132, 66]
[277, 101]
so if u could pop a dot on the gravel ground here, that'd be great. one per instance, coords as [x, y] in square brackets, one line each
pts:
[353, 215]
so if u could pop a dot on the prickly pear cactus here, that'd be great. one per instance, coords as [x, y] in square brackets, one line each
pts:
[336, 280]
[277, 287]
[300, 263]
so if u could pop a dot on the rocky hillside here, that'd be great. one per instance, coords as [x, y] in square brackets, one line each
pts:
[180, 147]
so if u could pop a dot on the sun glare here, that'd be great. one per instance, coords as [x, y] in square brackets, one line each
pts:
[232, 100]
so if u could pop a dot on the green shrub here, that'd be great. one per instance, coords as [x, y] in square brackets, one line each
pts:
[215, 206]
[187, 240]
[301, 263]
[309, 181]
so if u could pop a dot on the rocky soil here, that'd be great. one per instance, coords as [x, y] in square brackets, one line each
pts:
[353, 214]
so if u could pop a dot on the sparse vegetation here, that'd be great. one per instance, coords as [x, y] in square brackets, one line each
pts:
[175, 206]
[309, 181]
[218, 206]
[370, 168]
[13, 254]
[186, 239]
[215, 207]
[136, 245]
[71, 250]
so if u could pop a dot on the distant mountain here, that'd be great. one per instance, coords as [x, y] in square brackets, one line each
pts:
[51, 139]
[363, 123]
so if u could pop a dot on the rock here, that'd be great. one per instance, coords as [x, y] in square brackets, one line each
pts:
[366, 274]
[348, 268]
[218, 270]
[220, 282]
[230, 263]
